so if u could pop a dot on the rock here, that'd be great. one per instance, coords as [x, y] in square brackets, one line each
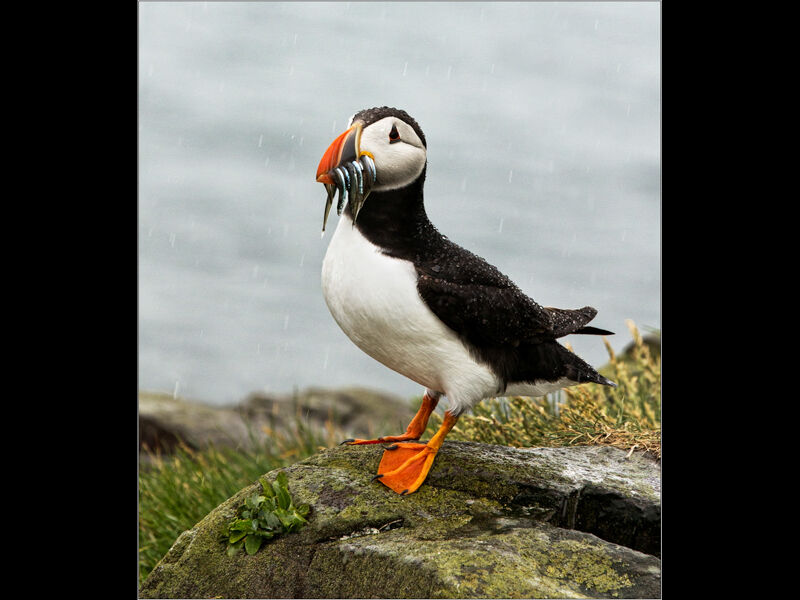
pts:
[489, 522]
[166, 421]
[652, 341]
[357, 411]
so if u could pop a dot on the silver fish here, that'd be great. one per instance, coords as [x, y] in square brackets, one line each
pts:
[367, 160]
[359, 171]
[344, 183]
[354, 181]
[331, 189]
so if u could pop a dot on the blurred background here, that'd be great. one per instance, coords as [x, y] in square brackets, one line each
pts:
[543, 129]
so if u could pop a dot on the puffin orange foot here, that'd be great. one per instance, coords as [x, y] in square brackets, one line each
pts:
[414, 430]
[405, 466]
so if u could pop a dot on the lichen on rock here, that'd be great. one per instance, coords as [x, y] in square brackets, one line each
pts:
[490, 522]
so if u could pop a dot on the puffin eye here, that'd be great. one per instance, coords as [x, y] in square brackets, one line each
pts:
[394, 136]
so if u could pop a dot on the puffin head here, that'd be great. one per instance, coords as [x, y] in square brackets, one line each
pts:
[382, 149]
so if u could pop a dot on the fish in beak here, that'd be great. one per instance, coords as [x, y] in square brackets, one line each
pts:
[344, 167]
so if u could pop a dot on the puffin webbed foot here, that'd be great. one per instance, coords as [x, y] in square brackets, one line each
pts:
[406, 462]
[405, 466]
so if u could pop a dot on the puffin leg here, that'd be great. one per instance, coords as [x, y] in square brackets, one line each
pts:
[414, 430]
[405, 466]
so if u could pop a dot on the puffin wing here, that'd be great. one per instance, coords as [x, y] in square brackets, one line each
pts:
[499, 315]
[487, 315]
[485, 307]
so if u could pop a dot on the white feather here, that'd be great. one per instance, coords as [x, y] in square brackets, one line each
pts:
[537, 388]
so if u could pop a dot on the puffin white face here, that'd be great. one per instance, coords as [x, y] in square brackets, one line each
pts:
[387, 154]
[398, 152]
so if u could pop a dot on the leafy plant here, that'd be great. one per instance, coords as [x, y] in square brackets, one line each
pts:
[264, 516]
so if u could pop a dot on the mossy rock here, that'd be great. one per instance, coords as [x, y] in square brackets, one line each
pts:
[489, 522]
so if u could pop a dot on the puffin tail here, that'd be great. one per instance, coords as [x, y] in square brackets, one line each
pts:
[567, 321]
[589, 330]
[550, 361]
[579, 371]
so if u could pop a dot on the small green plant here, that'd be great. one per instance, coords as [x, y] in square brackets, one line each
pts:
[264, 516]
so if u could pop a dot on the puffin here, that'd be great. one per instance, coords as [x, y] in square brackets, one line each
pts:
[422, 305]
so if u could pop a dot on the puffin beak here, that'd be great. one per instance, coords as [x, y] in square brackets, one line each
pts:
[344, 149]
[346, 168]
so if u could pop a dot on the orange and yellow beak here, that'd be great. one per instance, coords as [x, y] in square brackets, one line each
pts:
[344, 149]
[344, 167]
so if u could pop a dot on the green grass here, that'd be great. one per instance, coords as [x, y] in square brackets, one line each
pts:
[177, 491]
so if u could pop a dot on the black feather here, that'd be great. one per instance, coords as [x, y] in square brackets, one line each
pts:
[593, 331]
